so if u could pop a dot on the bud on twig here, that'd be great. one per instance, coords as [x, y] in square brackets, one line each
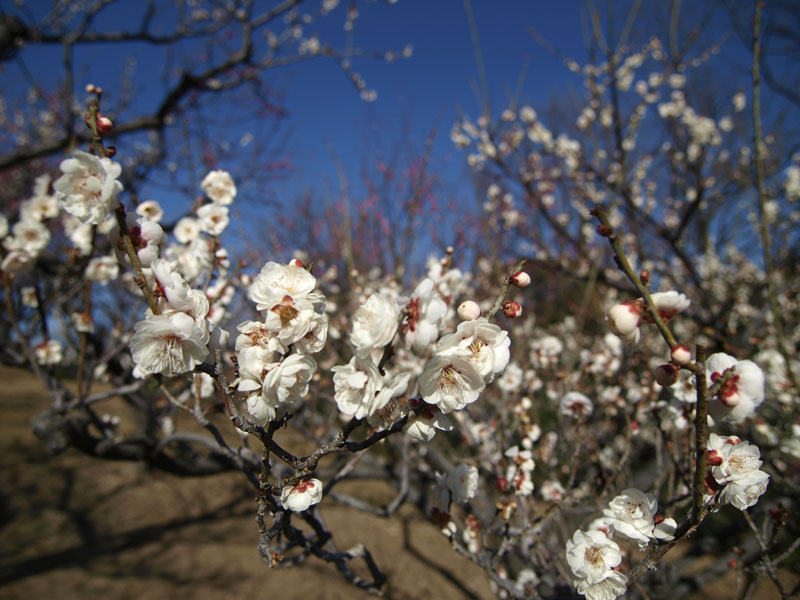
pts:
[644, 276]
[666, 375]
[605, 231]
[521, 279]
[512, 310]
[680, 355]
[469, 311]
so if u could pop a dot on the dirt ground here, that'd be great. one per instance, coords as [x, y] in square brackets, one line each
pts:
[74, 527]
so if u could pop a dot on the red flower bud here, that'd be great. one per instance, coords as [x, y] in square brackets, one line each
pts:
[512, 310]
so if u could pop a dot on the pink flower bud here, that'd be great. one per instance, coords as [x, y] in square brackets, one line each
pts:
[90, 88]
[296, 262]
[625, 318]
[469, 311]
[521, 279]
[512, 310]
[681, 355]
[104, 124]
[666, 375]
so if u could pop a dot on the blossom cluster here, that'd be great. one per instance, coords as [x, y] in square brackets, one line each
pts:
[733, 472]
[593, 555]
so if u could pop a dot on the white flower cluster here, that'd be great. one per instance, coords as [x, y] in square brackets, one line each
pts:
[519, 472]
[88, 188]
[176, 340]
[734, 472]
[458, 486]
[294, 319]
[30, 235]
[463, 363]
[592, 555]
[632, 515]
[742, 390]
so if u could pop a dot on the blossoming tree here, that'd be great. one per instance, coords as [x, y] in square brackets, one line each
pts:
[560, 446]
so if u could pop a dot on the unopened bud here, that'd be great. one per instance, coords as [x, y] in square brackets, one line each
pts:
[469, 311]
[680, 355]
[104, 124]
[666, 375]
[605, 230]
[512, 310]
[644, 276]
[625, 318]
[521, 279]
[296, 262]
[90, 88]
[111, 151]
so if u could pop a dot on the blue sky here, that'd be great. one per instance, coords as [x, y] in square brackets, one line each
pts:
[326, 117]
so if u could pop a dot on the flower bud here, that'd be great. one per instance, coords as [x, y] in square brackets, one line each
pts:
[605, 231]
[644, 276]
[521, 279]
[90, 88]
[104, 124]
[625, 318]
[512, 310]
[681, 355]
[469, 311]
[296, 262]
[666, 374]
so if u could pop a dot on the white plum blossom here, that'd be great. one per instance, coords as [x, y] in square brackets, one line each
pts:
[146, 237]
[592, 556]
[213, 218]
[374, 324]
[300, 496]
[219, 186]
[356, 386]
[29, 236]
[632, 514]
[175, 294]
[742, 391]
[292, 320]
[48, 353]
[276, 281]
[613, 586]
[186, 230]
[426, 310]
[483, 344]
[284, 383]
[80, 234]
[577, 405]
[168, 344]
[428, 420]
[88, 188]
[150, 210]
[734, 467]
[462, 483]
[450, 382]
[102, 269]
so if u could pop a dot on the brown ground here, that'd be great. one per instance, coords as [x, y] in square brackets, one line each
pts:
[74, 527]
